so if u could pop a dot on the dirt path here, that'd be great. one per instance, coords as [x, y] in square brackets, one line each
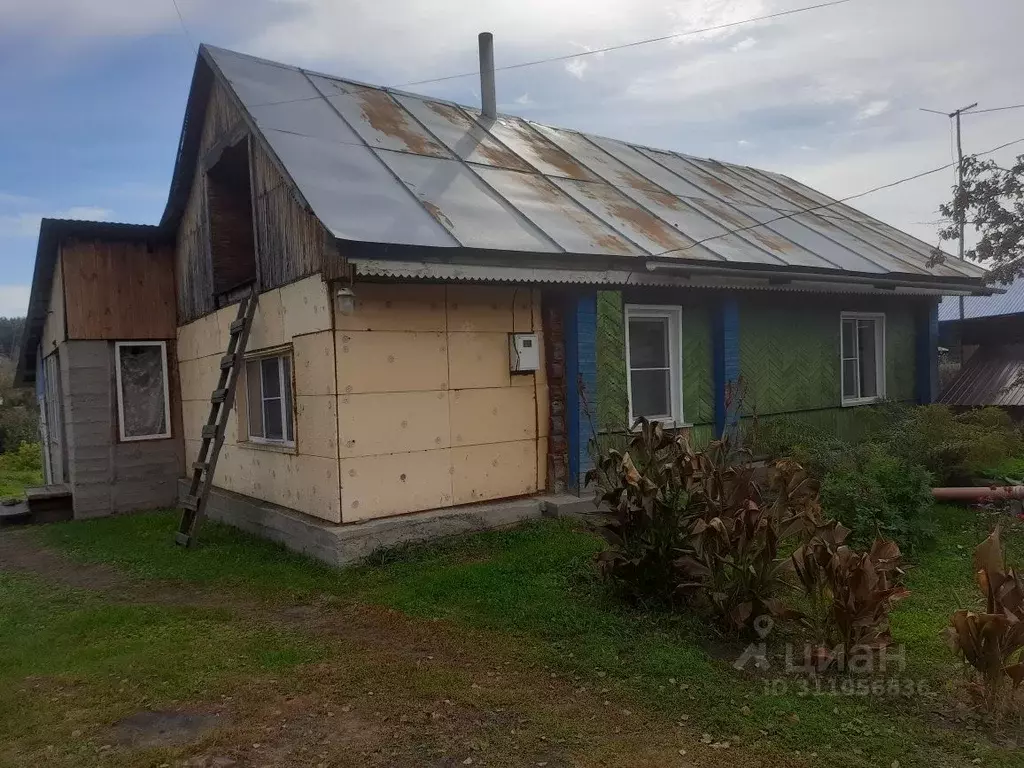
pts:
[394, 691]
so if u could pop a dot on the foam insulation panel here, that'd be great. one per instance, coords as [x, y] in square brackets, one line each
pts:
[316, 425]
[391, 361]
[393, 422]
[314, 365]
[481, 416]
[306, 307]
[478, 360]
[387, 307]
[495, 471]
[377, 486]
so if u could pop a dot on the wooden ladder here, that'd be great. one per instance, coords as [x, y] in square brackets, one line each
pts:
[223, 398]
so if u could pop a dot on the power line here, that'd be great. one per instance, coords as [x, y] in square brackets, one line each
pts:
[579, 54]
[838, 201]
[634, 44]
[184, 27]
[994, 109]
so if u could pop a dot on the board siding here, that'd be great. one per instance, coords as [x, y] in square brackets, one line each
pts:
[789, 358]
[118, 290]
[107, 476]
[290, 241]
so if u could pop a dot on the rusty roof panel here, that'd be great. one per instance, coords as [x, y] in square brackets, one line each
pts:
[461, 134]
[461, 203]
[990, 377]
[379, 119]
[397, 168]
[352, 193]
[596, 159]
[629, 218]
[540, 153]
[571, 226]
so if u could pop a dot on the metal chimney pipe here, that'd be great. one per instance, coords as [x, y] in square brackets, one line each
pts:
[488, 99]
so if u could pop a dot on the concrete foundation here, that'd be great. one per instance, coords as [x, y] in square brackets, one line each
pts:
[340, 545]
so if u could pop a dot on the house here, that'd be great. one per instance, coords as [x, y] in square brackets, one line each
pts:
[992, 337]
[450, 304]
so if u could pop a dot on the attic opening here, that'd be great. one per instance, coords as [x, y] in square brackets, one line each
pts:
[229, 203]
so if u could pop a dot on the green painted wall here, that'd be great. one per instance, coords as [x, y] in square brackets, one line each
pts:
[789, 356]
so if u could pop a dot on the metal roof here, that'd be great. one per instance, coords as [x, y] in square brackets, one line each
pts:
[990, 377]
[382, 166]
[1009, 303]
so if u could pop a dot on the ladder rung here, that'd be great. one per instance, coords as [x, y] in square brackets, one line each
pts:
[227, 361]
[191, 503]
[209, 431]
[219, 395]
[201, 466]
[237, 325]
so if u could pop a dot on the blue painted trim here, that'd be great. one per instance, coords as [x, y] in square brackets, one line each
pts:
[726, 359]
[580, 382]
[927, 353]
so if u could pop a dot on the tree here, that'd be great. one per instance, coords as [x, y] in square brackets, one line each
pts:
[991, 199]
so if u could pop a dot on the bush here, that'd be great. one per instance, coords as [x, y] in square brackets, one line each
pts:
[876, 494]
[954, 447]
[18, 424]
[27, 458]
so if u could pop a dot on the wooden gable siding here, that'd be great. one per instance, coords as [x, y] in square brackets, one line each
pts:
[290, 240]
[192, 265]
[118, 290]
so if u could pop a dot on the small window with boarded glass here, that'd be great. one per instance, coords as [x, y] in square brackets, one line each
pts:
[143, 400]
[268, 389]
[653, 363]
[863, 358]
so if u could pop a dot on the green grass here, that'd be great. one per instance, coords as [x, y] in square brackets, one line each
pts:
[112, 660]
[20, 469]
[1010, 467]
[536, 584]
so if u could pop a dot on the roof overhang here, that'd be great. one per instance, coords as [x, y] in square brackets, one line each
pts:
[52, 233]
[462, 264]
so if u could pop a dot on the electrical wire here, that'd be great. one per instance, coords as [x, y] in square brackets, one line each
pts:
[836, 202]
[993, 109]
[184, 27]
[579, 54]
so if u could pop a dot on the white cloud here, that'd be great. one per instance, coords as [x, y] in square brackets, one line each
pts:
[576, 67]
[14, 300]
[26, 224]
[873, 109]
[744, 45]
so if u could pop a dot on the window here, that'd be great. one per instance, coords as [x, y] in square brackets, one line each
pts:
[654, 380]
[143, 405]
[268, 389]
[863, 357]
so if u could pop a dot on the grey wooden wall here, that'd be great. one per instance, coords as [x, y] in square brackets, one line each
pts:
[105, 475]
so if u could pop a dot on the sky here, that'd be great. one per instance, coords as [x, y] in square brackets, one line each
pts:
[94, 93]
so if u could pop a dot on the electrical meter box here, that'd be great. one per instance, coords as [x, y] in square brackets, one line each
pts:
[523, 352]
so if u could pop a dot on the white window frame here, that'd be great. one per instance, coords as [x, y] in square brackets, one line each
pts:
[286, 418]
[120, 392]
[674, 316]
[879, 318]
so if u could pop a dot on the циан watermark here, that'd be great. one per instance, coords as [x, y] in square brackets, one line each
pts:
[858, 671]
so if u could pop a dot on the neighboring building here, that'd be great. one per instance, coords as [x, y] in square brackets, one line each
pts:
[992, 335]
[399, 244]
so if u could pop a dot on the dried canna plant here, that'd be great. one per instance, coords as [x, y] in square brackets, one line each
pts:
[850, 593]
[992, 642]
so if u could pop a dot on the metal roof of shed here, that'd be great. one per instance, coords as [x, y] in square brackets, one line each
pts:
[382, 166]
[997, 305]
[990, 377]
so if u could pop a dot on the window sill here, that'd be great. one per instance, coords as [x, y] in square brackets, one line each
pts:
[862, 401]
[667, 425]
[271, 447]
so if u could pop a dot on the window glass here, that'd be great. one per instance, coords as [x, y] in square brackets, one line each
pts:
[270, 406]
[654, 362]
[142, 390]
[861, 358]
[254, 398]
